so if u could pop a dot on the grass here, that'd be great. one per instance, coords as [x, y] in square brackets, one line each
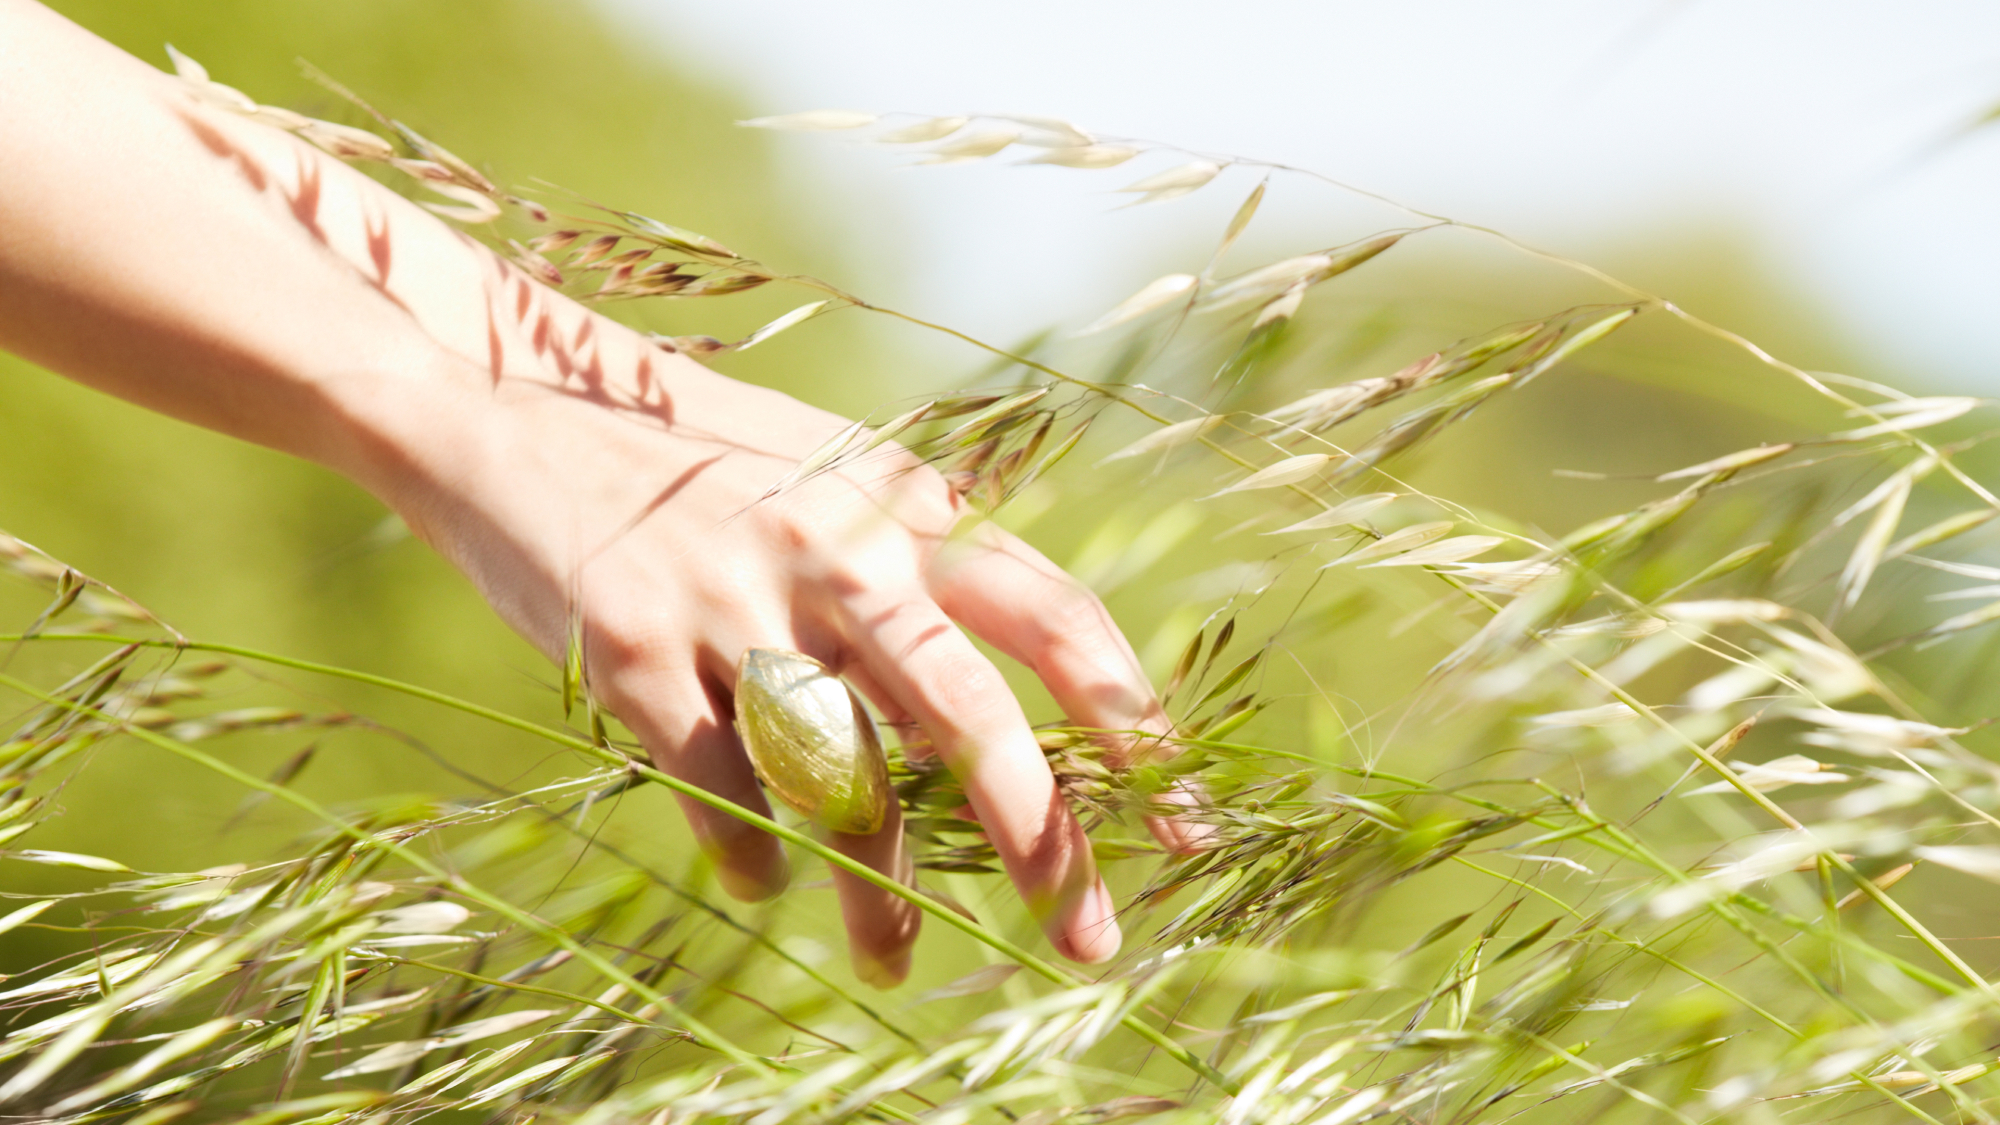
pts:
[1509, 820]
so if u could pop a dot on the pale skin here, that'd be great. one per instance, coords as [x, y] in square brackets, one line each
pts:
[210, 267]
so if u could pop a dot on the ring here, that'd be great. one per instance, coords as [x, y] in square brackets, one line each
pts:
[810, 741]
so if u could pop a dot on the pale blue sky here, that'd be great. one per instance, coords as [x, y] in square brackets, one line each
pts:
[1561, 121]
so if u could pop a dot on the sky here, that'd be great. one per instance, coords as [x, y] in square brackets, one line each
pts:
[1830, 134]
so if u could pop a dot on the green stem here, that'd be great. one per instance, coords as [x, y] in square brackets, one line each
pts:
[1881, 897]
[791, 836]
[1632, 943]
[1895, 910]
[696, 1030]
[1603, 1075]
[1598, 833]
[517, 986]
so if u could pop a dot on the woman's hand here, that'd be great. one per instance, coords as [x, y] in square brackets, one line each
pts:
[628, 499]
[212, 268]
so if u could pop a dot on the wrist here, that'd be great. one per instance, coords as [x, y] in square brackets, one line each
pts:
[406, 426]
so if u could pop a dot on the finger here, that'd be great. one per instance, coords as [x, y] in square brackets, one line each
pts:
[1027, 607]
[908, 734]
[920, 658]
[881, 926]
[1174, 831]
[684, 724]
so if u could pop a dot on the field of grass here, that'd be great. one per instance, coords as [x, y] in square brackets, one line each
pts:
[1588, 704]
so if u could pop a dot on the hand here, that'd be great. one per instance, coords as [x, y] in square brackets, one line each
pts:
[575, 471]
[630, 495]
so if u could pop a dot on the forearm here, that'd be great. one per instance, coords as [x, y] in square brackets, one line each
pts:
[222, 271]
[215, 268]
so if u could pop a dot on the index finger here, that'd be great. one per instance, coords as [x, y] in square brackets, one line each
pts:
[918, 658]
[1029, 608]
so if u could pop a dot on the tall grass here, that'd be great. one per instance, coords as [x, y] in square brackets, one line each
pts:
[1509, 820]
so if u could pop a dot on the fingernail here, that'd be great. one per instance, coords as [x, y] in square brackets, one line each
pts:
[1181, 837]
[1091, 935]
[881, 972]
[755, 886]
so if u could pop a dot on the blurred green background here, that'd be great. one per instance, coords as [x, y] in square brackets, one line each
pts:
[235, 543]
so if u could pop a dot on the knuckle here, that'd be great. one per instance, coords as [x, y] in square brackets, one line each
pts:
[632, 665]
[849, 573]
[926, 497]
[629, 645]
[963, 688]
[1074, 623]
[786, 527]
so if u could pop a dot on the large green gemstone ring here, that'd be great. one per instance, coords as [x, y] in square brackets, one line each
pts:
[810, 741]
